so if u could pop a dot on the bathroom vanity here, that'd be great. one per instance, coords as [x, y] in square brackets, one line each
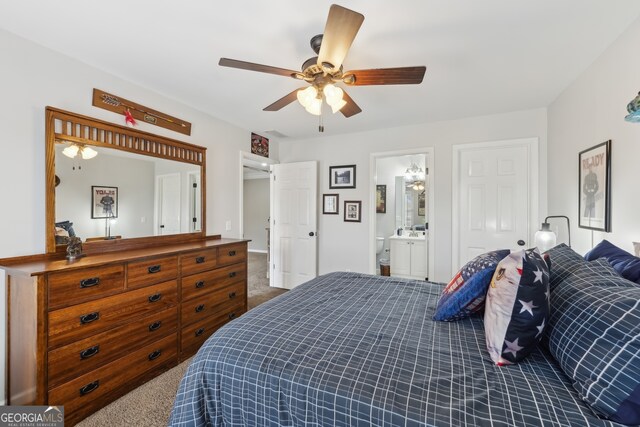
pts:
[409, 255]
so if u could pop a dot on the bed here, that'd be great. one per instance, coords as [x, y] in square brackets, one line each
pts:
[349, 349]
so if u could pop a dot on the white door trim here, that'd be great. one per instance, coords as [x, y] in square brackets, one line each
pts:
[429, 152]
[248, 159]
[532, 145]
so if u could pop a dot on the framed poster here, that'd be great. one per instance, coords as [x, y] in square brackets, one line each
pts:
[330, 204]
[594, 178]
[352, 211]
[342, 176]
[104, 202]
[259, 145]
[421, 204]
[381, 199]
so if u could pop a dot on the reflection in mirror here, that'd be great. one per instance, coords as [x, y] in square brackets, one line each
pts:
[411, 208]
[155, 196]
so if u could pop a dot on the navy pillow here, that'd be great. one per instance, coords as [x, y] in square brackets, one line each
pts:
[564, 261]
[517, 308]
[594, 334]
[622, 261]
[465, 293]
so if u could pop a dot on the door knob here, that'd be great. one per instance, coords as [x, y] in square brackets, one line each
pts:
[311, 234]
[521, 242]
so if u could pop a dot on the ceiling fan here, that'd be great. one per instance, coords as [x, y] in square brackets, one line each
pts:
[324, 70]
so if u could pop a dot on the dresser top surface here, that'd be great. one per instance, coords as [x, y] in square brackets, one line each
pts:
[41, 266]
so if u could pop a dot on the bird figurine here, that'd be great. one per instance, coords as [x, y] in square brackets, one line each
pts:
[634, 110]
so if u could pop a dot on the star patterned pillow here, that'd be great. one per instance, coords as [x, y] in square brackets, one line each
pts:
[464, 295]
[517, 306]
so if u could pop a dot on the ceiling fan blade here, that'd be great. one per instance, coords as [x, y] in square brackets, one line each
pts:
[243, 65]
[282, 102]
[350, 108]
[339, 31]
[386, 76]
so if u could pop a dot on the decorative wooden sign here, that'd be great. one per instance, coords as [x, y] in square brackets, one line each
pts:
[120, 105]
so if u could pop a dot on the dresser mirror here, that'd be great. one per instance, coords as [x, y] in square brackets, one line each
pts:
[111, 185]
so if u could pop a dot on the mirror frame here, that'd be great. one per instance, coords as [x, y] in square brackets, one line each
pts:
[74, 127]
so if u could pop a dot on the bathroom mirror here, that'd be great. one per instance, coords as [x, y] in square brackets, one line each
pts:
[411, 204]
[153, 185]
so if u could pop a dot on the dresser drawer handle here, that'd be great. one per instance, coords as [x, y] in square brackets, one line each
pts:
[199, 332]
[232, 295]
[155, 354]
[200, 284]
[155, 326]
[199, 308]
[154, 269]
[87, 283]
[232, 253]
[232, 315]
[91, 351]
[88, 318]
[89, 388]
[155, 297]
[232, 274]
[199, 260]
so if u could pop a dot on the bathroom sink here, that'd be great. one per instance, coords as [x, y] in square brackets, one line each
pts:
[406, 236]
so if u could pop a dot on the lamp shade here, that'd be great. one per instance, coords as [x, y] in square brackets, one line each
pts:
[544, 238]
[88, 153]
[71, 151]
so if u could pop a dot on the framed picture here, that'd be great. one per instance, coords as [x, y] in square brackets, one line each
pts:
[594, 177]
[342, 176]
[330, 204]
[381, 199]
[352, 210]
[259, 145]
[104, 202]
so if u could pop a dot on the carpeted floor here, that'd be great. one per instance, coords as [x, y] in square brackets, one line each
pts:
[150, 404]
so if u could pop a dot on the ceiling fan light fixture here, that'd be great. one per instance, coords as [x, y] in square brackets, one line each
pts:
[307, 96]
[315, 107]
[71, 151]
[88, 153]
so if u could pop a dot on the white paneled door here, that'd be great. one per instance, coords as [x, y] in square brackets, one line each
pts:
[293, 224]
[494, 198]
[169, 210]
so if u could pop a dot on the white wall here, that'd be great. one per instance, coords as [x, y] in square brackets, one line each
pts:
[256, 212]
[345, 245]
[588, 112]
[33, 77]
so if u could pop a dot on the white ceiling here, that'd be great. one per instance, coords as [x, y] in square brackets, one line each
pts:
[482, 57]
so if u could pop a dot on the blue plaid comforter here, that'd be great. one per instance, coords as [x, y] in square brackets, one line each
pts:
[349, 349]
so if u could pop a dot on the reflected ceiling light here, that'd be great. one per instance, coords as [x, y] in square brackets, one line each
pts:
[86, 152]
[311, 98]
[414, 173]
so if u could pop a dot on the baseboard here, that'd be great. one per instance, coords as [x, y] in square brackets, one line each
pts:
[260, 251]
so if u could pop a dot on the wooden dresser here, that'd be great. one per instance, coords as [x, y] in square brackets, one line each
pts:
[83, 333]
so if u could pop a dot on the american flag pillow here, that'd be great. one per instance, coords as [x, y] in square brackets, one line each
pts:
[517, 306]
[464, 295]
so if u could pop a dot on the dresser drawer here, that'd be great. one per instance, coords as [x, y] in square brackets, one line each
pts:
[95, 389]
[230, 254]
[213, 303]
[150, 271]
[73, 287]
[194, 335]
[203, 283]
[84, 320]
[84, 356]
[195, 262]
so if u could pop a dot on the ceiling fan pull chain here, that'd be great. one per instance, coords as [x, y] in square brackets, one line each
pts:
[320, 125]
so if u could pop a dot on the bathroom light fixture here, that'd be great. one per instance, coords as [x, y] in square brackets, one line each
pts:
[545, 239]
[86, 152]
[414, 173]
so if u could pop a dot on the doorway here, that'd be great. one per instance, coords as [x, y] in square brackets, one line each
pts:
[402, 199]
[254, 218]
